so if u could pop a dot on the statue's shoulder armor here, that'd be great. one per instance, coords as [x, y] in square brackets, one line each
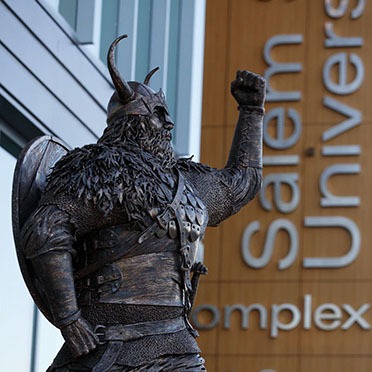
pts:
[86, 169]
[91, 166]
[186, 165]
[108, 176]
[72, 169]
[201, 176]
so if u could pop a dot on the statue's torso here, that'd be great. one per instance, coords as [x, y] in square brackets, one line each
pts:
[143, 266]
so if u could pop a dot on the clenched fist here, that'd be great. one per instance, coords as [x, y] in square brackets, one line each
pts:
[80, 337]
[248, 89]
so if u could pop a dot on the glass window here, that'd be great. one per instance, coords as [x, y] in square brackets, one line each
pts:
[143, 39]
[109, 26]
[68, 10]
[173, 54]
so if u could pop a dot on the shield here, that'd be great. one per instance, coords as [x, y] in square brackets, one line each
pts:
[34, 165]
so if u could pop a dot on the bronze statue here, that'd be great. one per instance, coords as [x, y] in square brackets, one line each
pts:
[107, 234]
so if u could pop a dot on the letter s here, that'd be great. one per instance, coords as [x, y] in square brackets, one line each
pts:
[264, 259]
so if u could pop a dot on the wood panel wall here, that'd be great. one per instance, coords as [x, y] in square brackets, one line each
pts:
[236, 33]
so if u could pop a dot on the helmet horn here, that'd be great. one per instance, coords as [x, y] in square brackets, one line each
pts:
[149, 76]
[124, 91]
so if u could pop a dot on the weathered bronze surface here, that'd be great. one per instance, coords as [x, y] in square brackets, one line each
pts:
[107, 234]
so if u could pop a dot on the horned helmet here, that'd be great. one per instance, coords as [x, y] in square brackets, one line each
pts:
[132, 98]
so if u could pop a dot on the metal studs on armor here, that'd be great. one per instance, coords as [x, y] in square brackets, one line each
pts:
[106, 238]
[200, 216]
[172, 229]
[109, 279]
[182, 212]
[199, 202]
[184, 199]
[191, 199]
[187, 227]
[190, 213]
[194, 233]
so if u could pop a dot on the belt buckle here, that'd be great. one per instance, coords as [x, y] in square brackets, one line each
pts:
[99, 330]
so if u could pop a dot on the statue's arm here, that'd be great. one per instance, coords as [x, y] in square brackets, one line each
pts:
[225, 191]
[48, 239]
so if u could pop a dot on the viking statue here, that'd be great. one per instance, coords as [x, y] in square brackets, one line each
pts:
[107, 240]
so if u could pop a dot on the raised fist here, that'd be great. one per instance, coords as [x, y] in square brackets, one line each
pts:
[248, 89]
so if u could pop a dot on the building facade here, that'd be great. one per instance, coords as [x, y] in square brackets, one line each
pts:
[289, 285]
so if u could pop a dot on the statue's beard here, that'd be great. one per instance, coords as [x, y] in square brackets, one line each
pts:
[159, 144]
[136, 130]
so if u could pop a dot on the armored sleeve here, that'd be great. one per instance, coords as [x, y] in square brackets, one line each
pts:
[47, 229]
[48, 240]
[225, 191]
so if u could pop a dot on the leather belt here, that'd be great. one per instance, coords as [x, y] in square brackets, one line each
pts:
[127, 332]
[115, 335]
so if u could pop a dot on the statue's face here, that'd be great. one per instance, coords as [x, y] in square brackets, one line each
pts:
[152, 133]
[160, 121]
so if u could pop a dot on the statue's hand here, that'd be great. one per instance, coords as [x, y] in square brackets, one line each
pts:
[80, 337]
[248, 89]
[199, 268]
